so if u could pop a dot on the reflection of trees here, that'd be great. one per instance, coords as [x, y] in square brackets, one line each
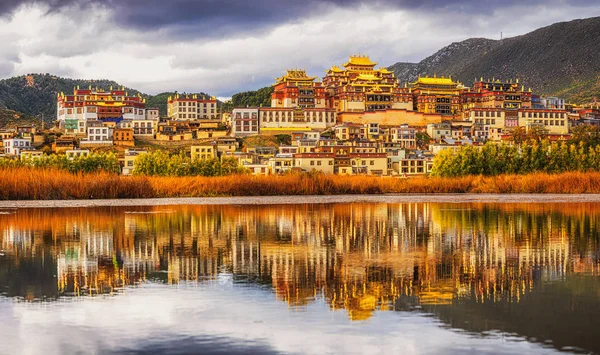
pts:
[358, 257]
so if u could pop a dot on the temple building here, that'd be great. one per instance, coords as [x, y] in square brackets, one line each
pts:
[296, 89]
[191, 107]
[281, 120]
[74, 111]
[437, 95]
[359, 87]
[497, 94]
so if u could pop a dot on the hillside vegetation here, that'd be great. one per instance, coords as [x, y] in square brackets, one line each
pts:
[10, 119]
[160, 101]
[35, 94]
[560, 59]
[257, 98]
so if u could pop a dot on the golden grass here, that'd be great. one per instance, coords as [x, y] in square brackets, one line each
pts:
[42, 184]
[52, 184]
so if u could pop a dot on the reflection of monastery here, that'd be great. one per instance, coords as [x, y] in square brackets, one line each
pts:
[358, 257]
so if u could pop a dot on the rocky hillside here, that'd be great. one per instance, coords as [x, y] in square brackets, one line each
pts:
[561, 59]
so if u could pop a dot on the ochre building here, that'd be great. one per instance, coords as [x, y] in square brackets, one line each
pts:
[296, 89]
[359, 87]
[436, 95]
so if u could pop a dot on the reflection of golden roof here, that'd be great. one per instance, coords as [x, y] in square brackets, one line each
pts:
[362, 308]
[440, 293]
[360, 60]
[435, 81]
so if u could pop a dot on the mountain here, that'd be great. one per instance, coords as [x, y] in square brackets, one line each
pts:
[10, 118]
[560, 59]
[35, 94]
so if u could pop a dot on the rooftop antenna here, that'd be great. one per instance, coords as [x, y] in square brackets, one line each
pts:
[501, 36]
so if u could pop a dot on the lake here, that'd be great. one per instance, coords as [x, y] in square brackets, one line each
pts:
[304, 278]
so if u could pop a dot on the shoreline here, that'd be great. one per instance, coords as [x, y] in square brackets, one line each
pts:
[309, 199]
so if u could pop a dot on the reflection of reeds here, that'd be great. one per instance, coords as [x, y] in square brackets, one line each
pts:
[40, 184]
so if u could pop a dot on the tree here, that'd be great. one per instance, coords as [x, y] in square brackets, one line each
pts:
[586, 134]
[519, 135]
[537, 133]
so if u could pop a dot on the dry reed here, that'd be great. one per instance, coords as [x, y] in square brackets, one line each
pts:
[49, 184]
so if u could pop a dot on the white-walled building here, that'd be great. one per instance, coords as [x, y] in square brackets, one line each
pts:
[405, 136]
[244, 121]
[97, 104]
[98, 134]
[153, 114]
[552, 102]
[191, 107]
[14, 146]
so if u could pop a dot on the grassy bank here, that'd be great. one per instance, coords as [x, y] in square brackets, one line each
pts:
[50, 184]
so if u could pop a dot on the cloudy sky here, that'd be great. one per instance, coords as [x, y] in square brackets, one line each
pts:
[226, 46]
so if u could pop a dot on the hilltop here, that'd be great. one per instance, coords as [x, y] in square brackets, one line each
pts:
[35, 94]
[25, 98]
[560, 59]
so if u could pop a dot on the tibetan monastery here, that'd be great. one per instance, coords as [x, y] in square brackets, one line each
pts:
[437, 95]
[359, 87]
[496, 94]
[73, 111]
[296, 89]
[191, 107]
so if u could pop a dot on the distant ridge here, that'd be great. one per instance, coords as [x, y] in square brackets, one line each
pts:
[561, 59]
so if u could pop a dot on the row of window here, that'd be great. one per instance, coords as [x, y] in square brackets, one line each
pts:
[196, 111]
[487, 114]
[191, 116]
[17, 143]
[80, 111]
[545, 115]
[550, 122]
[193, 103]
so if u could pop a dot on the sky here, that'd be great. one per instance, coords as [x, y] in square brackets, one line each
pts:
[223, 47]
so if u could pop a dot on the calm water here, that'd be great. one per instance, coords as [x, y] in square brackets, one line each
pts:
[364, 278]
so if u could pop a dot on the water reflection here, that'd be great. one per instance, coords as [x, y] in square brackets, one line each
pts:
[528, 270]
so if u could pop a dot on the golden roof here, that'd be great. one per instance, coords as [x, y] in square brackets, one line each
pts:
[384, 71]
[435, 81]
[367, 77]
[360, 60]
[295, 75]
[336, 69]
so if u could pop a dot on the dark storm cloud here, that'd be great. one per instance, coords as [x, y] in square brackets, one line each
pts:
[203, 18]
